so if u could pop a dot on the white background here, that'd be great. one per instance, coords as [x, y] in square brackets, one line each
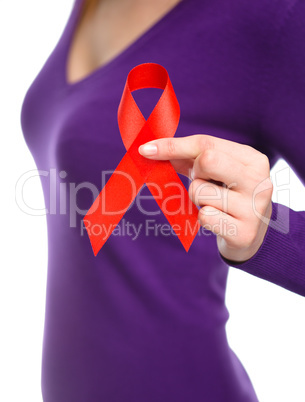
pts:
[266, 327]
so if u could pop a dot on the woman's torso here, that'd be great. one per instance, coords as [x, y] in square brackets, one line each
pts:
[143, 320]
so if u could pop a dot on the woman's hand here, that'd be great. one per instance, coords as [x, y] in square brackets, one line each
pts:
[230, 182]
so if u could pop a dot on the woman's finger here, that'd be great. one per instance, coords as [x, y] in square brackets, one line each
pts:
[191, 146]
[222, 167]
[220, 223]
[204, 193]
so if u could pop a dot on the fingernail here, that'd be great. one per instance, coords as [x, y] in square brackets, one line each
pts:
[148, 149]
[192, 174]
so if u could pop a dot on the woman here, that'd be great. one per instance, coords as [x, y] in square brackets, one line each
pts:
[144, 320]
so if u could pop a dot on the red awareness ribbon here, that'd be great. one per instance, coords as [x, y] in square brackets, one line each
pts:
[159, 176]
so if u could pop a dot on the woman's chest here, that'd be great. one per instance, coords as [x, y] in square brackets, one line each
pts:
[75, 126]
[107, 28]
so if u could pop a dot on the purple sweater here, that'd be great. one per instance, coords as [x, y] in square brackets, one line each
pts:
[144, 321]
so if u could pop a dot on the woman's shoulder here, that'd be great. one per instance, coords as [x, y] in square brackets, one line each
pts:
[259, 22]
[260, 17]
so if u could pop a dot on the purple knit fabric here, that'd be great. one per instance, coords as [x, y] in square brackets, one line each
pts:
[144, 321]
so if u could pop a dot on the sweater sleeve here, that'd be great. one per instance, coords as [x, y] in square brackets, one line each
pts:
[281, 257]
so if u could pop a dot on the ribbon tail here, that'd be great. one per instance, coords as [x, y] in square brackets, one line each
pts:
[175, 203]
[112, 202]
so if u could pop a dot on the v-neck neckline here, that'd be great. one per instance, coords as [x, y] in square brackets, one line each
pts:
[140, 40]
